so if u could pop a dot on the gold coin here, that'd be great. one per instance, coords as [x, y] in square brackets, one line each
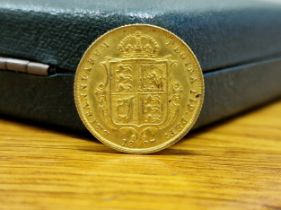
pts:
[139, 88]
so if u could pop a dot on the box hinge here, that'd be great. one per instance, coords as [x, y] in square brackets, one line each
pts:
[24, 66]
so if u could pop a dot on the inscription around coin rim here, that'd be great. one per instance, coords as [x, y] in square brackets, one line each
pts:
[81, 89]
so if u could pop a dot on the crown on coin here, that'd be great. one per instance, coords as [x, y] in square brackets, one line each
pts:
[138, 45]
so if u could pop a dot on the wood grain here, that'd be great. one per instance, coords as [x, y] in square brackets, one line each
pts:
[232, 165]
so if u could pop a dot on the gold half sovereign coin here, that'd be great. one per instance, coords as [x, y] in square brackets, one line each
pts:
[139, 88]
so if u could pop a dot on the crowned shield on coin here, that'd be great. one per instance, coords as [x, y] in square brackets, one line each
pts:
[138, 83]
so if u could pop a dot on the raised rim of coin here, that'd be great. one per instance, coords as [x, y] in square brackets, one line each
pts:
[118, 147]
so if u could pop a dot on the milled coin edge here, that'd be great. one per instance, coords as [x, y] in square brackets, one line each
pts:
[153, 149]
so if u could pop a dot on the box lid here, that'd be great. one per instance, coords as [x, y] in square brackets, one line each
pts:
[221, 33]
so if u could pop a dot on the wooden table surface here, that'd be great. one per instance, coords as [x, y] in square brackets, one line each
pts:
[235, 164]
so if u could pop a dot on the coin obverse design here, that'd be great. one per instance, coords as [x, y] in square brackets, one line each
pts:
[139, 88]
